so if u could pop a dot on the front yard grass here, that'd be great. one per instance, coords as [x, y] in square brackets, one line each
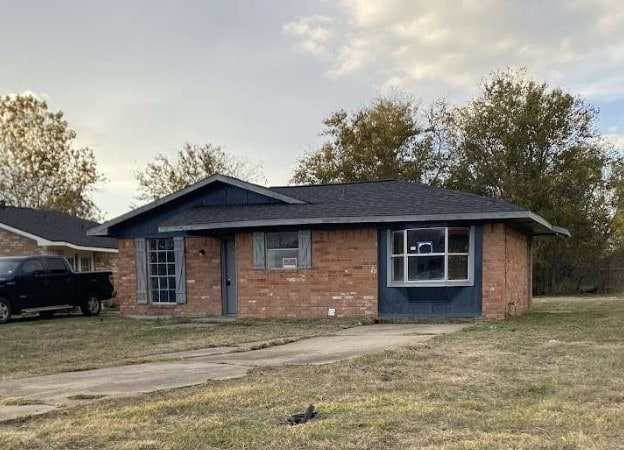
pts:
[67, 343]
[551, 379]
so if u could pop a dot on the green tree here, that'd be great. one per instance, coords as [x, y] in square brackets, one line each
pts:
[391, 138]
[165, 175]
[39, 166]
[538, 147]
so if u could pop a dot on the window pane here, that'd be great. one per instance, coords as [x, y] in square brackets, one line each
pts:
[425, 268]
[58, 266]
[162, 269]
[277, 259]
[272, 240]
[425, 241]
[287, 239]
[458, 267]
[458, 240]
[85, 264]
[398, 272]
[397, 242]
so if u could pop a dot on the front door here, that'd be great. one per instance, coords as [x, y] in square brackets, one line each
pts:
[228, 265]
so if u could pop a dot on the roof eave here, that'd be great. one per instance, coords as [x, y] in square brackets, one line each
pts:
[538, 224]
[44, 242]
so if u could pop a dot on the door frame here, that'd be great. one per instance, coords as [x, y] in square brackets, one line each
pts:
[224, 263]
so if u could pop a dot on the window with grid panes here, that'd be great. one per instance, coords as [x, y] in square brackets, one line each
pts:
[431, 256]
[86, 264]
[162, 279]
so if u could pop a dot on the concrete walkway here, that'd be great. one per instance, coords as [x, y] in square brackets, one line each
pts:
[47, 392]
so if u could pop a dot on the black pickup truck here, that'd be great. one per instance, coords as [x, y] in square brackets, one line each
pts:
[45, 284]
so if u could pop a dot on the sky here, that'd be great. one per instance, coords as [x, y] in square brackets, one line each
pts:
[136, 78]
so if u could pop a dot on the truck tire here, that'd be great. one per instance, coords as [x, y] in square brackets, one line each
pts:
[5, 310]
[91, 306]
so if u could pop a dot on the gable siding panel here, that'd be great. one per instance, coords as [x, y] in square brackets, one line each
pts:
[146, 225]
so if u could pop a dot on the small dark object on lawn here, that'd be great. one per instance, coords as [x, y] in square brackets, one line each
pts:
[303, 417]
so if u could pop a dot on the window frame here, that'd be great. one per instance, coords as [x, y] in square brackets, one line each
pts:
[80, 261]
[150, 276]
[267, 250]
[390, 255]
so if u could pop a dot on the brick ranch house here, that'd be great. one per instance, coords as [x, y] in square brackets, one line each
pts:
[25, 231]
[226, 247]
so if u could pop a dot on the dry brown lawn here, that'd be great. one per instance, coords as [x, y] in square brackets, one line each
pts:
[70, 342]
[552, 379]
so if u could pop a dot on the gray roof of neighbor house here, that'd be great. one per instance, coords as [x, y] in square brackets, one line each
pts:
[370, 202]
[53, 228]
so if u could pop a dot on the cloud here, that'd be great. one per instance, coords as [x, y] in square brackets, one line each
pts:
[448, 45]
[312, 34]
[617, 139]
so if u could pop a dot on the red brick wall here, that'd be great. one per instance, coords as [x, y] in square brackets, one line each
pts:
[343, 276]
[105, 261]
[506, 271]
[12, 244]
[203, 280]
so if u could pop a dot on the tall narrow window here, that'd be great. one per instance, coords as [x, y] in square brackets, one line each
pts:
[430, 256]
[86, 264]
[162, 273]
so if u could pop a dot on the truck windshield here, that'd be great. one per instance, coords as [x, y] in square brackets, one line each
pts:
[8, 266]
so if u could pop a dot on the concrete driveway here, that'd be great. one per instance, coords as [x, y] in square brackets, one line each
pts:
[48, 392]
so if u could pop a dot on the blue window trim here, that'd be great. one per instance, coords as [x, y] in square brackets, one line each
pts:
[431, 283]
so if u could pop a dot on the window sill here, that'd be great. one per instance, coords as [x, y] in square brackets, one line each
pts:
[164, 305]
[432, 283]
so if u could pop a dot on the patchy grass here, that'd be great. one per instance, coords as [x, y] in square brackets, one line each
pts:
[551, 379]
[69, 343]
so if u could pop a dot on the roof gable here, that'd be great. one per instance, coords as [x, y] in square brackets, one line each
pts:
[217, 190]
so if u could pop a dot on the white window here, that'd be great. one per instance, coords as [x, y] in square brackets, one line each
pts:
[162, 273]
[86, 264]
[431, 257]
[282, 250]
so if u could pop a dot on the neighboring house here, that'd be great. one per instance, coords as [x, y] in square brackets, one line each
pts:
[226, 247]
[25, 231]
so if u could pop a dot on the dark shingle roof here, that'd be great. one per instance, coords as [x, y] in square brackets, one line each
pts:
[54, 226]
[349, 202]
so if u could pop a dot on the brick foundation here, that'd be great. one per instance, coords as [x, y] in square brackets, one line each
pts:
[343, 276]
[506, 271]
